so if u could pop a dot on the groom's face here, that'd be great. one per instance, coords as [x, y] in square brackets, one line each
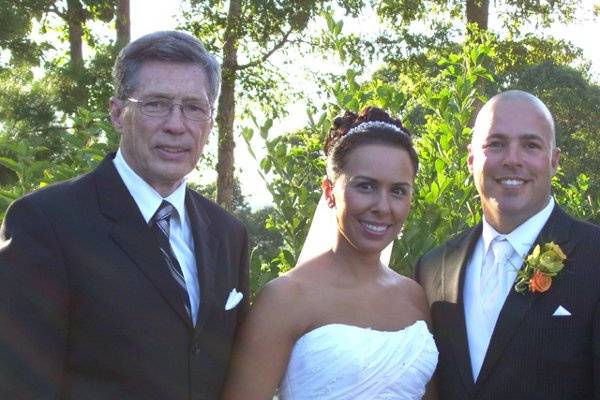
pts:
[512, 158]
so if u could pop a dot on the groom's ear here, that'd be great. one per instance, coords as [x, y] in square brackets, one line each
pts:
[328, 191]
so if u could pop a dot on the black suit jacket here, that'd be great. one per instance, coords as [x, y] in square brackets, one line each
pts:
[532, 354]
[88, 309]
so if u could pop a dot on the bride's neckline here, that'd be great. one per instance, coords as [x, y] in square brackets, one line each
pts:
[337, 325]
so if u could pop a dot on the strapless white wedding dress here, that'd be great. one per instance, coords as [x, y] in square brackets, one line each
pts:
[338, 361]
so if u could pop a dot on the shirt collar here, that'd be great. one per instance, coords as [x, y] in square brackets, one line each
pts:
[524, 235]
[147, 199]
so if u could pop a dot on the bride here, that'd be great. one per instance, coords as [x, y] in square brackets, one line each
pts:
[341, 324]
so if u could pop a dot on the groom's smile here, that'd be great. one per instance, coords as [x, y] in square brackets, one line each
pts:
[511, 182]
[512, 158]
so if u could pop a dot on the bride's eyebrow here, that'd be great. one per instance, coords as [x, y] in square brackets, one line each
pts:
[363, 177]
[367, 178]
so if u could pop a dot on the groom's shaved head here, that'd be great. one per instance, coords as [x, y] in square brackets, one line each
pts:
[516, 97]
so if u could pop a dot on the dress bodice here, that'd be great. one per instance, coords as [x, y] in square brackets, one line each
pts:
[338, 361]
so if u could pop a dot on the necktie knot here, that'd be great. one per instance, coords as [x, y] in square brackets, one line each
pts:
[164, 212]
[502, 250]
[162, 220]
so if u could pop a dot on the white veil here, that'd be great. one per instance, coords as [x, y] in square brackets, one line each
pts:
[321, 235]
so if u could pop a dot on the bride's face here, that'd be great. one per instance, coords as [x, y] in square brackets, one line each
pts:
[372, 196]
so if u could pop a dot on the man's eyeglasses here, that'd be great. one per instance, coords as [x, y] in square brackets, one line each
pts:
[194, 110]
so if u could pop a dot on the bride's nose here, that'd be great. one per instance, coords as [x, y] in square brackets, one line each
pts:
[381, 203]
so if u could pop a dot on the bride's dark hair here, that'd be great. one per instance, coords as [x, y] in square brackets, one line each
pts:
[371, 125]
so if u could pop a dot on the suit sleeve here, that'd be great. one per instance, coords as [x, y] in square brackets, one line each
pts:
[244, 276]
[596, 344]
[33, 305]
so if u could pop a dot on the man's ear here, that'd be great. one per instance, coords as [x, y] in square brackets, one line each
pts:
[470, 158]
[117, 107]
[554, 160]
[328, 191]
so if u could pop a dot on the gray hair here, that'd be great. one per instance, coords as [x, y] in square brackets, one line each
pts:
[168, 46]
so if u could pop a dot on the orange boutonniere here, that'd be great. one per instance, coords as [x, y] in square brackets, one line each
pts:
[543, 264]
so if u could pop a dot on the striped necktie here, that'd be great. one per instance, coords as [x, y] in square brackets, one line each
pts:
[160, 226]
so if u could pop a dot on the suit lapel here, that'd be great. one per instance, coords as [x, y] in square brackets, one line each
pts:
[131, 233]
[556, 229]
[453, 270]
[205, 249]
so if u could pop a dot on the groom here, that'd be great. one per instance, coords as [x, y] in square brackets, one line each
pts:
[495, 343]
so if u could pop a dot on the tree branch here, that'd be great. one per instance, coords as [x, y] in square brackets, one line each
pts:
[54, 9]
[268, 54]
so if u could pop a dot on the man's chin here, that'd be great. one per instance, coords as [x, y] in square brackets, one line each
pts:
[173, 170]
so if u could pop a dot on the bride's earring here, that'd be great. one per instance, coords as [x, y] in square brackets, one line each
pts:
[328, 191]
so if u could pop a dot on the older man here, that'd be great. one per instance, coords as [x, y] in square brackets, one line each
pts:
[539, 339]
[123, 283]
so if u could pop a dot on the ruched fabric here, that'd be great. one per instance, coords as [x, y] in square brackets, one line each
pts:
[342, 362]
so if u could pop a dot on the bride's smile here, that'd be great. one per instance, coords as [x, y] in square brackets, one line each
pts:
[372, 196]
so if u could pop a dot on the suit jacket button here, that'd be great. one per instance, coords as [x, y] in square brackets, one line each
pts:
[197, 348]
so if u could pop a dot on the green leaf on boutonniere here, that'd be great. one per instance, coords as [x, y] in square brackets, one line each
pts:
[541, 266]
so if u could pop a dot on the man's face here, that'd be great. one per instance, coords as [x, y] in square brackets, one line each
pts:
[512, 158]
[162, 150]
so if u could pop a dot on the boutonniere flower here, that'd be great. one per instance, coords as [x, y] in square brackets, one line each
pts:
[543, 264]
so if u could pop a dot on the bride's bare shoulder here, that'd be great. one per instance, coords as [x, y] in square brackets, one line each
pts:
[286, 288]
[296, 283]
[408, 291]
[403, 282]
[291, 295]
[295, 287]
[314, 270]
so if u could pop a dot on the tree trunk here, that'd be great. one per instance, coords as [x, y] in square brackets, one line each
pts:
[75, 19]
[477, 12]
[226, 108]
[123, 25]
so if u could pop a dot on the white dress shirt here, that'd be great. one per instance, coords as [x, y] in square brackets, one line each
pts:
[480, 325]
[180, 236]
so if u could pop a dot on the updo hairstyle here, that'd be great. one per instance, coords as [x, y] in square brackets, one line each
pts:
[372, 125]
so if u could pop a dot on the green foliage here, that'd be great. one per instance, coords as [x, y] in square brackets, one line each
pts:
[577, 198]
[16, 19]
[513, 14]
[263, 28]
[352, 95]
[53, 122]
[407, 11]
[262, 240]
[543, 14]
[31, 167]
[292, 169]
[445, 201]
[520, 53]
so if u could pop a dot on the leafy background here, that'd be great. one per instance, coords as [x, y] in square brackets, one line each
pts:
[56, 59]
